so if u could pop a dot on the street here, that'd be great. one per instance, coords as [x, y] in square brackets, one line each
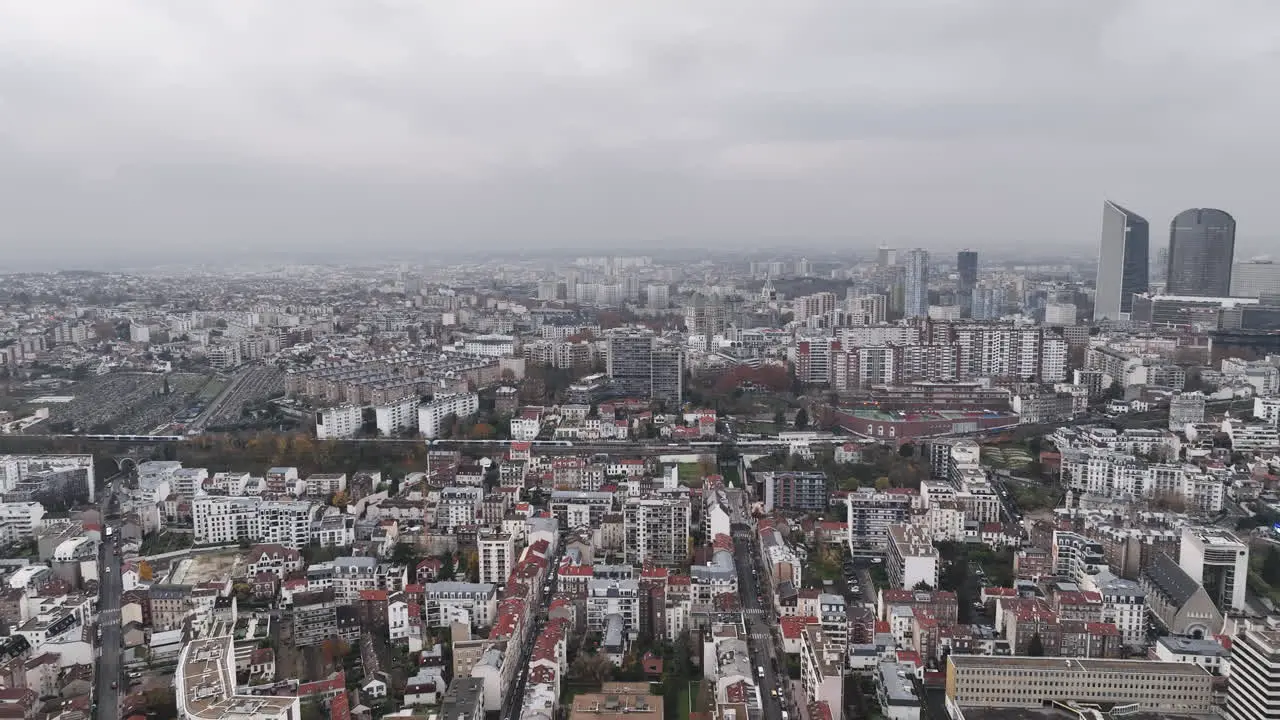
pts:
[109, 671]
[764, 652]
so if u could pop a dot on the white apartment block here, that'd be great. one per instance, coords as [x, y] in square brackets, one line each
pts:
[226, 520]
[19, 520]
[912, 558]
[322, 485]
[869, 515]
[474, 604]
[1267, 408]
[656, 531]
[1118, 476]
[339, 422]
[351, 576]
[432, 414]
[497, 557]
[457, 506]
[397, 416]
[607, 597]
[1219, 561]
[1185, 407]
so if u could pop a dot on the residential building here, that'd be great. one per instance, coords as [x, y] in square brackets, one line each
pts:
[657, 530]
[966, 280]
[336, 423]
[795, 490]
[822, 669]
[397, 416]
[639, 365]
[1185, 407]
[205, 686]
[472, 604]
[870, 513]
[223, 520]
[911, 558]
[1254, 691]
[915, 284]
[432, 414]
[497, 557]
[606, 597]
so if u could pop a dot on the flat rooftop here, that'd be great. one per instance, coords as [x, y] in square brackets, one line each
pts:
[208, 688]
[1132, 667]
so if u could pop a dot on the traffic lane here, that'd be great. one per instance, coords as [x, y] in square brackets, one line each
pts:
[109, 667]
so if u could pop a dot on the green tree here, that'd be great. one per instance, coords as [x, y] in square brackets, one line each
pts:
[802, 419]
[1035, 648]
[882, 483]
[780, 417]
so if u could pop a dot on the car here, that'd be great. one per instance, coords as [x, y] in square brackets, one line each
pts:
[114, 684]
[774, 692]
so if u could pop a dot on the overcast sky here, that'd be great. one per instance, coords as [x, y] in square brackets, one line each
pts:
[362, 125]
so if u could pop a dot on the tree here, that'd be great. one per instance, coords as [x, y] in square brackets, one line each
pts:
[780, 417]
[922, 585]
[403, 554]
[1035, 648]
[591, 667]
[340, 499]
[802, 419]
[481, 431]
[448, 569]
[145, 571]
[882, 483]
[907, 450]
[1271, 567]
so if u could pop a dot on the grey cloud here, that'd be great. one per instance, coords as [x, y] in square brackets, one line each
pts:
[412, 125]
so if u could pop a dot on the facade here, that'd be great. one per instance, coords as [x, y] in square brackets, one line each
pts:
[613, 597]
[915, 284]
[223, 520]
[794, 490]
[822, 669]
[870, 513]
[1255, 279]
[638, 365]
[431, 415]
[1177, 601]
[1201, 248]
[339, 422]
[497, 557]
[397, 416]
[1185, 407]
[975, 681]
[1254, 692]
[1123, 257]
[656, 530]
[205, 686]
[445, 603]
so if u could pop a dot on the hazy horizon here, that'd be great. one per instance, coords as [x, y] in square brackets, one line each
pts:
[330, 128]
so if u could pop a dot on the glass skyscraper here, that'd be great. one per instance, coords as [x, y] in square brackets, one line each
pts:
[1202, 244]
[1123, 259]
[915, 285]
[967, 280]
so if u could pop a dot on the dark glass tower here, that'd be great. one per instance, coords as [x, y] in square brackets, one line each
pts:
[1202, 244]
[967, 270]
[1122, 262]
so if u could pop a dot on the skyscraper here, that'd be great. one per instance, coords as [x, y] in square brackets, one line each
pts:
[1202, 244]
[1123, 257]
[915, 284]
[967, 270]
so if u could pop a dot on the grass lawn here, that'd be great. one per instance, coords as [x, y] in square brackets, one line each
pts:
[687, 694]
[690, 474]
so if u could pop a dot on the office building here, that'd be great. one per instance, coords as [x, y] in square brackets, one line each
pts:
[638, 365]
[975, 681]
[1254, 692]
[1255, 279]
[1123, 258]
[915, 284]
[1219, 561]
[966, 280]
[1123, 261]
[497, 557]
[656, 530]
[1202, 245]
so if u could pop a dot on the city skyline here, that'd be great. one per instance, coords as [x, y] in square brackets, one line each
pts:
[422, 129]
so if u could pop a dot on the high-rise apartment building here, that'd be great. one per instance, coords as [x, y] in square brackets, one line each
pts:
[1254, 692]
[915, 284]
[1123, 258]
[656, 530]
[497, 557]
[1202, 244]
[967, 280]
[640, 366]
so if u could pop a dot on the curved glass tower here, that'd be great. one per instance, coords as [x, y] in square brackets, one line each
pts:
[1202, 244]
[1122, 262]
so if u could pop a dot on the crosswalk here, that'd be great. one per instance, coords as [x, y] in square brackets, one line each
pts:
[109, 618]
[759, 636]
